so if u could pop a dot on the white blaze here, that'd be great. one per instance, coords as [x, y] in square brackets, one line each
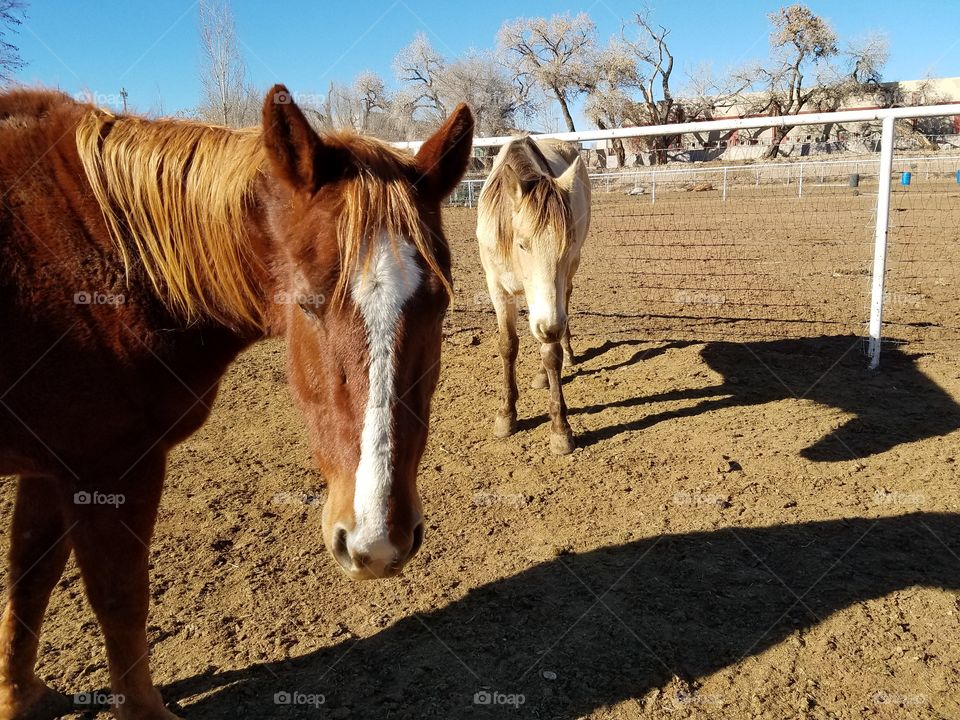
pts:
[380, 293]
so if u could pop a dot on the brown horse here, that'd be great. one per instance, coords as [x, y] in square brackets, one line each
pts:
[137, 259]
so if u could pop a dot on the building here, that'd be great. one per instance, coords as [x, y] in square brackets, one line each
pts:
[926, 133]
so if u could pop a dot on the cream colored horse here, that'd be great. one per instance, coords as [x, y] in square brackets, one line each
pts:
[534, 212]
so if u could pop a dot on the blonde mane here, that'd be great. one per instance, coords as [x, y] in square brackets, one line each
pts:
[544, 208]
[176, 197]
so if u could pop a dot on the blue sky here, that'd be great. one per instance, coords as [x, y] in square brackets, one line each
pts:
[152, 49]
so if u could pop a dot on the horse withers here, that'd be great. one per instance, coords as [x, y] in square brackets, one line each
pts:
[137, 259]
[534, 213]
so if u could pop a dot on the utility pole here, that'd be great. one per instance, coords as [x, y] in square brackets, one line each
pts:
[123, 96]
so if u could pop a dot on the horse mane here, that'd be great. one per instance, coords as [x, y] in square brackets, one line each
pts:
[544, 209]
[180, 193]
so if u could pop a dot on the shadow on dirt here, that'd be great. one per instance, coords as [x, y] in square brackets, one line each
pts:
[897, 404]
[612, 624]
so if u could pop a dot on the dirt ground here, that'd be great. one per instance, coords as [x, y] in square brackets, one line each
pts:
[762, 529]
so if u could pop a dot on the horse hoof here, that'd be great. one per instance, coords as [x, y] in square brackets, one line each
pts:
[561, 444]
[38, 703]
[504, 426]
[569, 360]
[540, 382]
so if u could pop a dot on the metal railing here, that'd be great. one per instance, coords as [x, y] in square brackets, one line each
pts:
[884, 163]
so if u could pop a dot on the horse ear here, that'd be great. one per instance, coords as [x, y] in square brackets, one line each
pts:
[569, 176]
[296, 153]
[442, 160]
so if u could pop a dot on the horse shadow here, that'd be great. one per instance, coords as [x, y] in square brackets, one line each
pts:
[897, 404]
[583, 631]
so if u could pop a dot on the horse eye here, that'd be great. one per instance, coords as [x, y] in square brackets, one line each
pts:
[523, 245]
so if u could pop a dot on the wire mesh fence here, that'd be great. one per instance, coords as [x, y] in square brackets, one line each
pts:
[768, 251]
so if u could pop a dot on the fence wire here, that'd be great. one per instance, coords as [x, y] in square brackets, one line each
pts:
[762, 251]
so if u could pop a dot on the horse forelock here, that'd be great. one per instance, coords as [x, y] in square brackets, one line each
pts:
[379, 202]
[544, 211]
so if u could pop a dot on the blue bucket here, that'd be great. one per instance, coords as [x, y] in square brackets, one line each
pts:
[905, 178]
[958, 177]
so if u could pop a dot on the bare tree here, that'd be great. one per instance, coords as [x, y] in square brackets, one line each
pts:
[802, 44]
[609, 104]
[808, 70]
[480, 81]
[11, 17]
[431, 84]
[554, 54]
[364, 106]
[227, 98]
[632, 86]
[371, 94]
[420, 67]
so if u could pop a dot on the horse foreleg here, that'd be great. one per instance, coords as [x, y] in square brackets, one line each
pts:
[38, 552]
[505, 423]
[561, 436]
[569, 359]
[111, 540]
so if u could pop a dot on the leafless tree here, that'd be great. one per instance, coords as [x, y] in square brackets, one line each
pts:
[555, 54]
[11, 17]
[802, 46]
[227, 97]
[431, 84]
[371, 94]
[609, 103]
[808, 70]
[632, 86]
[364, 106]
[420, 67]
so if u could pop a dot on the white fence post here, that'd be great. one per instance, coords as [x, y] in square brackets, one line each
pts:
[724, 184]
[653, 188]
[470, 192]
[800, 181]
[880, 240]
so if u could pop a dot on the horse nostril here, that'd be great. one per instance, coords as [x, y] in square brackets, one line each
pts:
[417, 540]
[340, 551]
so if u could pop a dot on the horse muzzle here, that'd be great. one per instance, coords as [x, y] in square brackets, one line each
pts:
[372, 556]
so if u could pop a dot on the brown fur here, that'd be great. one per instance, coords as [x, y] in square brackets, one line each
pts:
[166, 184]
[204, 239]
